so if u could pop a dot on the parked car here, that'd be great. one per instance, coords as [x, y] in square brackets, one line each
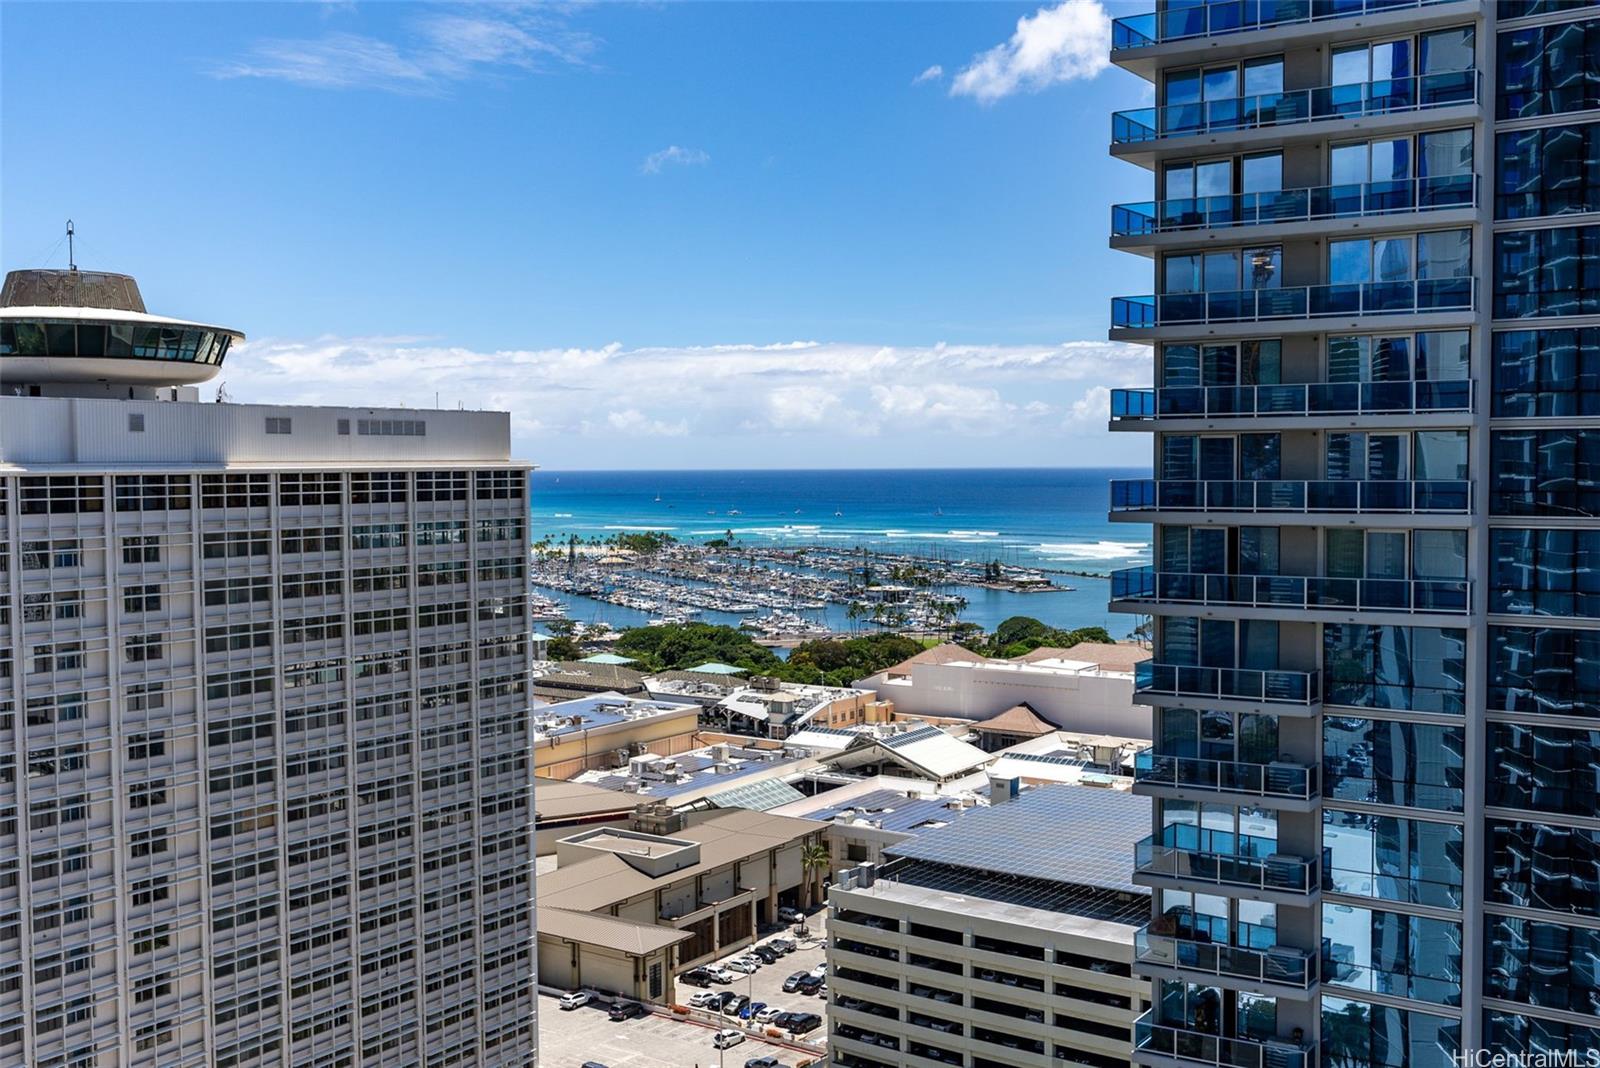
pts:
[820, 970]
[765, 954]
[734, 1007]
[809, 984]
[576, 999]
[803, 1022]
[789, 915]
[750, 1010]
[726, 1038]
[705, 999]
[783, 945]
[626, 1010]
[696, 977]
[724, 999]
[718, 974]
[592, 1064]
[791, 984]
[763, 1062]
[768, 1014]
[784, 1019]
[742, 965]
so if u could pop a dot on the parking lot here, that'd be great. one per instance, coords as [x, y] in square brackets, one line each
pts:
[766, 985]
[568, 1039]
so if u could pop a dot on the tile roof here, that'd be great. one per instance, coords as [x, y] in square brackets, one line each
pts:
[1113, 656]
[1019, 719]
[595, 929]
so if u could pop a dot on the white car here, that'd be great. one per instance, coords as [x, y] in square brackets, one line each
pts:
[820, 970]
[576, 999]
[719, 974]
[789, 915]
[704, 999]
[726, 1037]
[744, 966]
[767, 1015]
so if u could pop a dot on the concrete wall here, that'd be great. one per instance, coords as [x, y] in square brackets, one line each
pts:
[1087, 704]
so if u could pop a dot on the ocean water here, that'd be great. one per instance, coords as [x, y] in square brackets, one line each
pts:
[1052, 518]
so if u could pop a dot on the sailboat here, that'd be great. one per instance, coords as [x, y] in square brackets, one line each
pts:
[837, 512]
[658, 498]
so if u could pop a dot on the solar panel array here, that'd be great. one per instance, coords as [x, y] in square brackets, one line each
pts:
[1100, 903]
[1069, 834]
[921, 734]
[757, 796]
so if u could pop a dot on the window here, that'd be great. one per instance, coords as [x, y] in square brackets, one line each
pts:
[1422, 669]
[1550, 171]
[141, 549]
[342, 427]
[379, 536]
[310, 489]
[441, 485]
[1547, 372]
[1416, 765]
[141, 648]
[1545, 472]
[231, 544]
[239, 636]
[235, 491]
[62, 494]
[148, 794]
[1549, 70]
[152, 493]
[278, 425]
[147, 745]
[136, 422]
[379, 487]
[148, 843]
[143, 598]
[1372, 1036]
[390, 427]
[1540, 963]
[1542, 273]
[1394, 859]
[500, 485]
[311, 540]
[150, 891]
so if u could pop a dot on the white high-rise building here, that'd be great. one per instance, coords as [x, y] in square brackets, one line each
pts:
[265, 794]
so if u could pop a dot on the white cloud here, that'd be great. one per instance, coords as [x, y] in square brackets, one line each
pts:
[1055, 44]
[932, 74]
[1093, 408]
[636, 423]
[569, 404]
[674, 155]
[432, 53]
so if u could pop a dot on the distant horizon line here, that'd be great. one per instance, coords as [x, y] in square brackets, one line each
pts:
[817, 470]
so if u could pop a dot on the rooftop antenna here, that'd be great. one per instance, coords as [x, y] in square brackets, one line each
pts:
[72, 261]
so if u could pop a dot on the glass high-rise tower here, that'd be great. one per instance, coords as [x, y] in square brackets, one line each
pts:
[1375, 244]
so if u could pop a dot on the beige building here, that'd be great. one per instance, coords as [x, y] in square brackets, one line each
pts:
[629, 908]
[606, 731]
[1004, 940]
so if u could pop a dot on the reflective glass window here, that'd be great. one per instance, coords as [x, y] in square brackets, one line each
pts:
[1390, 953]
[1418, 765]
[1544, 670]
[1546, 769]
[1416, 861]
[1542, 964]
[1418, 668]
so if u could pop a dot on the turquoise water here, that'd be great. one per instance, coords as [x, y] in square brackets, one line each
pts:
[1037, 517]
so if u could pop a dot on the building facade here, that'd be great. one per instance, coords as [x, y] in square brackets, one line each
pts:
[1375, 237]
[1003, 940]
[265, 784]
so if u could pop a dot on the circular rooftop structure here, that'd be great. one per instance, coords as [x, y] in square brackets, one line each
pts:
[91, 326]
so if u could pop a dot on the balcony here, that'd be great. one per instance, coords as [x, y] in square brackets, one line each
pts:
[1407, 296]
[1295, 106]
[1294, 690]
[1306, 593]
[1178, 858]
[1358, 497]
[1293, 399]
[1367, 200]
[1160, 1043]
[1282, 781]
[1250, 968]
[1222, 17]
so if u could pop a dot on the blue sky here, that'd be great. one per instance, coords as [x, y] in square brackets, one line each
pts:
[662, 235]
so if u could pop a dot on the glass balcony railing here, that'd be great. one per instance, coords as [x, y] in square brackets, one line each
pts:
[1291, 107]
[1238, 860]
[1199, 1047]
[1293, 398]
[1291, 591]
[1184, 21]
[1293, 205]
[1433, 496]
[1245, 684]
[1280, 965]
[1406, 296]
[1297, 782]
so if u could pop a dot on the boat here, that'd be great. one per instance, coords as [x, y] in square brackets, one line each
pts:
[734, 511]
[658, 498]
[837, 512]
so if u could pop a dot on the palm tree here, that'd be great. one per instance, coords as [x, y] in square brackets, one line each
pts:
[816, 860]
